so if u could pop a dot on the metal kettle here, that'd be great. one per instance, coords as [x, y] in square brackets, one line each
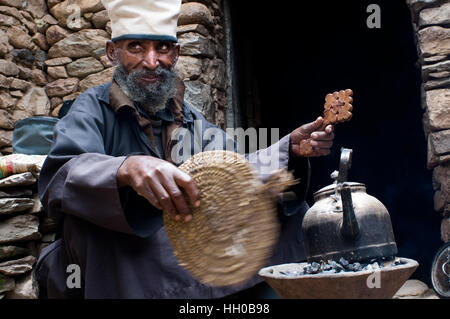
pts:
[347, 222]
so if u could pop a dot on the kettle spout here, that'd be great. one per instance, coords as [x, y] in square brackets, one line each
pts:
[350, 228]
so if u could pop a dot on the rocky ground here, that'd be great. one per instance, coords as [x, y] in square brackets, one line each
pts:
[415, 289]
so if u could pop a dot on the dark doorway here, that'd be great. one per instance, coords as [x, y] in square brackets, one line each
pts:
[287, 57]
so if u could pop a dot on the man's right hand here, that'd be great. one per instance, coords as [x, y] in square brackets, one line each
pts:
[159, 182]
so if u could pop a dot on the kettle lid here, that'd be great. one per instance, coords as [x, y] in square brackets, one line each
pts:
[331, 189]
[340, 177]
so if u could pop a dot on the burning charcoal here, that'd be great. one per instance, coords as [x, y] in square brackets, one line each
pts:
[322, 265]
[387, 262]
[368, 267]
[343, 262]
[357, 266]
[375, 266]
[337, 267]
[327, 267]
[308, 270]
[398, 261]
[315, 267]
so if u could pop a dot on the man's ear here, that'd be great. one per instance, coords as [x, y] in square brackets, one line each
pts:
[111, 52]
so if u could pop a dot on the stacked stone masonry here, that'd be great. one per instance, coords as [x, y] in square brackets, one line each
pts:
[431, 20]
[52, 51]
[24, 228]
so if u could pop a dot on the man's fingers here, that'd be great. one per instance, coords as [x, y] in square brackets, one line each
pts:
[187, 183]
[321, 152]
[321, 144]
[311, 127]
[148, 194]
[322, 136]
[316, 139]
[177, 198]
[164, 199]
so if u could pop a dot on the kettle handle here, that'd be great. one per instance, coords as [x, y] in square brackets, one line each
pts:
[344, 164]
[350, 227]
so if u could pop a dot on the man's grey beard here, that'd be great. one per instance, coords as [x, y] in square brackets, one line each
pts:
[151, 96]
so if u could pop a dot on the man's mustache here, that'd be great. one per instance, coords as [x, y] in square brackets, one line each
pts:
[158, 72]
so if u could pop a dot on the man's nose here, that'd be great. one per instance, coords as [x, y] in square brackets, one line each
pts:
[151, 59]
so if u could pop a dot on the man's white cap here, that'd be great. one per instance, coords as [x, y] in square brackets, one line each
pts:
[143, 19]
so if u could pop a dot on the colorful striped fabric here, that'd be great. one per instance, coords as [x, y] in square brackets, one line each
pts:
[20, 163]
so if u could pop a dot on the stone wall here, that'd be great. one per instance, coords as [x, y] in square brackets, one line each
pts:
[24, 227]
[431, 20]
[202, 64]
[52, 51]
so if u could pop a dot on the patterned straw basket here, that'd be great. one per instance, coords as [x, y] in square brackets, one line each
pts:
[233, 232]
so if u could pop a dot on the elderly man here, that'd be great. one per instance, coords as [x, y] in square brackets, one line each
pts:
[111, 172]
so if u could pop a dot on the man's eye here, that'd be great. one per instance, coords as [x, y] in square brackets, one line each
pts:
[134, 46]
[163, 47]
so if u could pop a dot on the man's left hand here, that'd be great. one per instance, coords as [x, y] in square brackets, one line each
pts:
[321, 140]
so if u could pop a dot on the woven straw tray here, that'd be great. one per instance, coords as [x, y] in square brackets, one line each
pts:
[233, 232]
